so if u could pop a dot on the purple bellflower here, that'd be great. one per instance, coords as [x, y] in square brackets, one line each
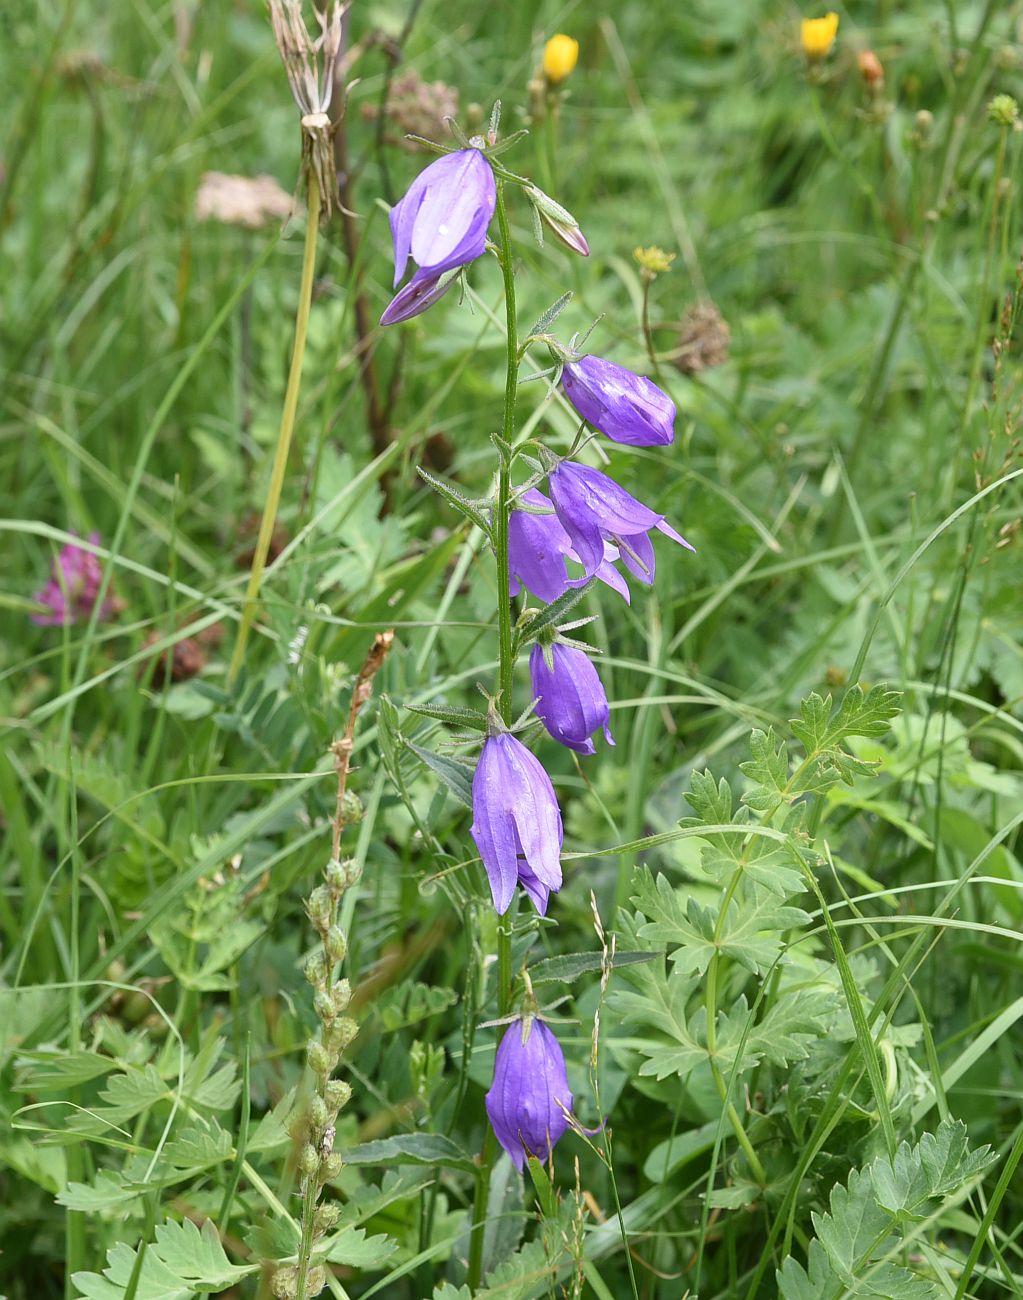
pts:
[74, 584]
[594, 510]
[537, 549]
[516, 822]
[441, 223]
[628, 408]
[529, 1083]
[571, 700]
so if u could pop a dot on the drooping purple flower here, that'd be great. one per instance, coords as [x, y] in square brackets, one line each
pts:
[73, 586]
[529, 1083]
[441, 223]
[628, 408]
[516, 822]
[594, 510]
[571, 700]
[537, 549]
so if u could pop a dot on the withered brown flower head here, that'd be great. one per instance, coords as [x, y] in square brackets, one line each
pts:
[418, 107]
[704, 341]
[310, 64]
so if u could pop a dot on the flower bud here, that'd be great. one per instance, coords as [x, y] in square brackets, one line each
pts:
[316, 968]
[871, 69]
[340, 1033]
[560, 55]
[316, 1280]
[340, 996]
[284, 1283]
[323, 1006]
[320, 907]
[318, 1057]
[326, 1217]
[318, 1116]
[1003, 110]
[353, 872]
[330, 1167]
[335, 875]
[337, 1094]
[559, 219]
[351, 809]
[335, 943]
[309, 1160]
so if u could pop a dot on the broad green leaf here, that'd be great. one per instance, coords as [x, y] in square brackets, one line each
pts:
[568, 967]
[410, 1149]
[352, 1247]
[49, 1072]
[181, 1261]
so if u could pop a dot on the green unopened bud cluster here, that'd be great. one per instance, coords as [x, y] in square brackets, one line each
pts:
[314, 1132]
[1004, 111]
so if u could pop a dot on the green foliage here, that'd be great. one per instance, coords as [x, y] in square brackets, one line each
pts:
[809, 938]
[871, 1218]
[181, 1260]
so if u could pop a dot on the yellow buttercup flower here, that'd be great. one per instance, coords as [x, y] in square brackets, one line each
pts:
[560, 55]
[818, 35]
[653, 260]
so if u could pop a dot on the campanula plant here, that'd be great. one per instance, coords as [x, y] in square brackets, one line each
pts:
[553, 547]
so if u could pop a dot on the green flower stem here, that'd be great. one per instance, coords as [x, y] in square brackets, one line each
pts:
[280, 465]
[507, 661]
[506, 671]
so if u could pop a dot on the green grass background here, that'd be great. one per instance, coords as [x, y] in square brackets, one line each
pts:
[847, 478]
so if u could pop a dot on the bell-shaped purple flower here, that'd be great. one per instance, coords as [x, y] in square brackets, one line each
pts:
[441, 223]
[516, 822]
[537, 549]
[628, 408]
[594, 510]
[529, 1097]
[571, 700]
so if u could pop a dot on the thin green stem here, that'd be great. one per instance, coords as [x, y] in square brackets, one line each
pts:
[507, 663]
[983, 297]
[710, 997]
[273, 496]
[506, 669]
[75, 1220]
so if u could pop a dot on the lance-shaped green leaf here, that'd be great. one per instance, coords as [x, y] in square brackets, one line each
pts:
[456, 775]
[452, 715]
[463, 504]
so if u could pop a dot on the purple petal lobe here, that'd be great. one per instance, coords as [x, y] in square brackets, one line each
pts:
[422, 291]
[595, 511]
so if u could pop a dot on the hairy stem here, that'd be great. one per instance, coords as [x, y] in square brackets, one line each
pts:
[273, 496]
